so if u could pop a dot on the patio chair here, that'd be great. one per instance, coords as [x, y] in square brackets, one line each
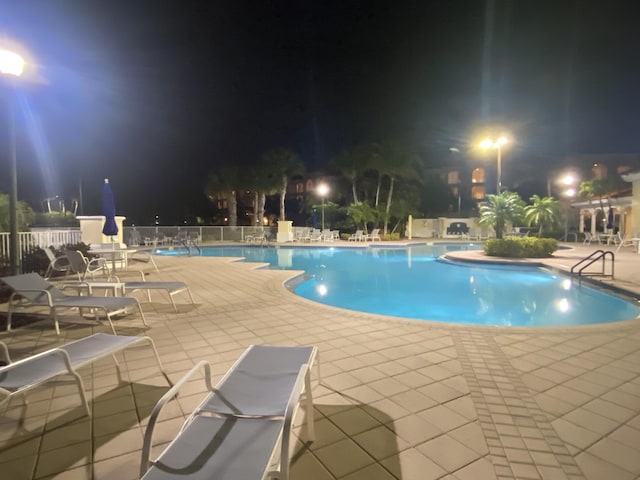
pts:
[588, 238]
[623, 242]
[242, 423]
[357, 237]
[172, 288]
[56, 264]
[33, 291]
[17, 378]
[82, 266]
[374, 235]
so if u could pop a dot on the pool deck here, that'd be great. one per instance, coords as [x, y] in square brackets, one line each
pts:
[398, 399]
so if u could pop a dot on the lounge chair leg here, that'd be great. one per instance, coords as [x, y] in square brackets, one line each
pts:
[144, 320]
[9, 313]
[310, 421]
[55, 321]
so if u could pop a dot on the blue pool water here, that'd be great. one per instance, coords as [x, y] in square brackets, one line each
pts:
[414, 283]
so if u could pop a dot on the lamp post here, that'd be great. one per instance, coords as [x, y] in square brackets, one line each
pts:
[569, 182]
[323, 189]
[497, 144]
[12, 65]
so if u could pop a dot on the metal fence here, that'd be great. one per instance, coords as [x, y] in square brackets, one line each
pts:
[168, 234]
[39, 238]
[155, 235]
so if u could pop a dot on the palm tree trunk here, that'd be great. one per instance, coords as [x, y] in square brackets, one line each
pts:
[283, 194]
[388, 209]
[232, 207]
[354, 189]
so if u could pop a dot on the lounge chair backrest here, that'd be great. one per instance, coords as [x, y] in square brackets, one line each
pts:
[28, 282]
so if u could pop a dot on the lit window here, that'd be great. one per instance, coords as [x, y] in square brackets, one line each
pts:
[477, 192]
[299, 187]
[477, 176]
[453, 178]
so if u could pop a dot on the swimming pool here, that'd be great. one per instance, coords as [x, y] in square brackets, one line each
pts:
[416, 283]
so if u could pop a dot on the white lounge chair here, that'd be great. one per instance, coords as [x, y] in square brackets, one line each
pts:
[374, 235]
[17, 378]
[82, 266]
[242, 423]
[56, 264]
[172, 288]
[357, 237]
[33, 291]
[623, 242]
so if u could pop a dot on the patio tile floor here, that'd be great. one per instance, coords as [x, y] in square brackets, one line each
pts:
[398, 399]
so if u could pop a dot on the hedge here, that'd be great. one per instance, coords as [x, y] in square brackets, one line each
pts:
[520, 247]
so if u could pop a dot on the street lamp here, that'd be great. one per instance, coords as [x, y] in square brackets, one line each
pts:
[569, 181]
[323, 189]
[12, 65]
[497, 144]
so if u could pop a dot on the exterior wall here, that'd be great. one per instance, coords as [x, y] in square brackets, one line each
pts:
[91, 230]
[438, 227]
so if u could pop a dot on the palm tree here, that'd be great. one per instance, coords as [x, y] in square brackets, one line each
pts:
[541, 211]
[393, 162]
[225, 181]
[362, 213]
[284, 164]
[500, 209]
[351, 163]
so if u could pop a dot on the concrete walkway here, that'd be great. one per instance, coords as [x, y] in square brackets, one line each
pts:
[399, 399]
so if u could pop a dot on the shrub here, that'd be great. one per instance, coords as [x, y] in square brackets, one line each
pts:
[520, 247]
[390, 236]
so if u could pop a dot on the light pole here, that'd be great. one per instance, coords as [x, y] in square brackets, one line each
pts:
[497, 144]
[12, 65]
[323, 189]
[569, 182]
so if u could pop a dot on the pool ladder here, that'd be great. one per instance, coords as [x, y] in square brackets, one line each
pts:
[188, 243]
[593, 258]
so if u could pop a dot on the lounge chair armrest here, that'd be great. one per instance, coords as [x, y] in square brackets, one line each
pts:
[53, 353]
[290, 411]
[172, 392]
[47, 293]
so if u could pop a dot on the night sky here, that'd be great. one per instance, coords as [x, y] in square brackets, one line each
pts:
[154, 94]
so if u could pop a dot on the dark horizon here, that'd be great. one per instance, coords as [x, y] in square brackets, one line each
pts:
[154, 95]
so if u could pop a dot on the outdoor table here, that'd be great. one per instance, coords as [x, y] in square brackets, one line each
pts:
[114, 253]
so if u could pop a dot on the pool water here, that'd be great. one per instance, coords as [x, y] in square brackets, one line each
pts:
[416, 283]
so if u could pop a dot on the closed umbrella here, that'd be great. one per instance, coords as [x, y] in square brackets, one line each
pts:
[610, 219]
[109, 211]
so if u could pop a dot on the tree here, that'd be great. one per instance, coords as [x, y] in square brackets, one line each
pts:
[599, 187]
[500, 209]
[284, 164]
[393, 162]
[351, 163]
[362, 213]
[225, 181]
[24, 214]
[542, 211]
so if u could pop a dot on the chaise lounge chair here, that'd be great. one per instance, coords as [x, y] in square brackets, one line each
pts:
[357, 237]
[82, 266]
[16, 378]
[56, 264]
[374, 235]
[242, 423]
[33, 291]
[172, 288]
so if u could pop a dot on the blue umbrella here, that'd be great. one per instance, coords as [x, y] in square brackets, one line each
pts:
[109, 210]
[610, 219]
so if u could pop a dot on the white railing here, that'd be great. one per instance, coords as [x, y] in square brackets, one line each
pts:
[41, 238]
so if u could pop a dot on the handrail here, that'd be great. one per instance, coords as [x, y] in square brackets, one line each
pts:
[594, 257]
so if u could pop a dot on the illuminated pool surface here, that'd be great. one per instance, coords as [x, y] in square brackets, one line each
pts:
[414, 283]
